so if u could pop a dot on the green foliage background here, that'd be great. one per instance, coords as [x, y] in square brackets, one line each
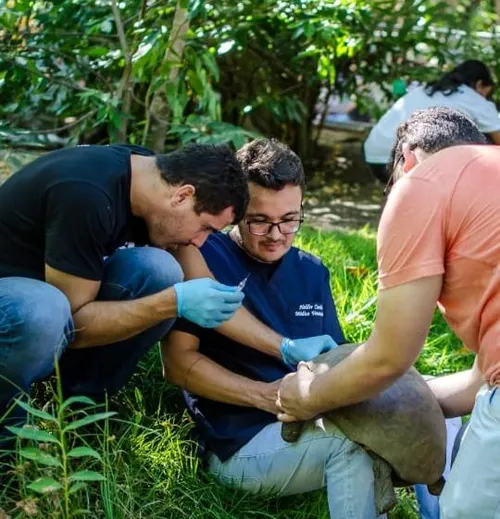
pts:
[255, 64]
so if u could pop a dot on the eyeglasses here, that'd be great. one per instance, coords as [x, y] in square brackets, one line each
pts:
[284, 227]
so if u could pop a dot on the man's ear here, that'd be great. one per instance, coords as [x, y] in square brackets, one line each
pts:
[410, 158]
[183, 194]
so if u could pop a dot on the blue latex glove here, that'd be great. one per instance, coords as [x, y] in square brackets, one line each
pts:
[206, 302]
[296, 350]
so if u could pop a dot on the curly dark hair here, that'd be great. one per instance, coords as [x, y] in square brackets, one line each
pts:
[271, 164]
[432, 130]
[215, 173]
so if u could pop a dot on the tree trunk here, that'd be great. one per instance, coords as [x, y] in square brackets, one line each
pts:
[124, 92]
[159, 111]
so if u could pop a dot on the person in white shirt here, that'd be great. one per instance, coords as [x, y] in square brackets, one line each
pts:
[465, 88]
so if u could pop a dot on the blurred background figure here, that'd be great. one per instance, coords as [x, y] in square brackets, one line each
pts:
[466, 88]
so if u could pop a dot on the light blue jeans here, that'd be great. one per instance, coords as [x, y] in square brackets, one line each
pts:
[472, 490]
[322, 457]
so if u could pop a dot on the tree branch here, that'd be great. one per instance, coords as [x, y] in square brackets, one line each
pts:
[60, 128]
[159, 110]
[124, 89]
[67, 84]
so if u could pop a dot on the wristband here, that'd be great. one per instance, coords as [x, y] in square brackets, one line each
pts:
[178, 296]
[286, 343]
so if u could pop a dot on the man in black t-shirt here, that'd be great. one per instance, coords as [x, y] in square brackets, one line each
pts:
[66, 278]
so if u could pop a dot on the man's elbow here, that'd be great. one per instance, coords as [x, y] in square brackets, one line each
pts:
[81, 340]
[388, 359]
[390, 372]
[387, 370]
[171, 374]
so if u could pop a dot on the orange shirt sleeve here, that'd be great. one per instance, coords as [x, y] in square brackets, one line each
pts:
[411, 235]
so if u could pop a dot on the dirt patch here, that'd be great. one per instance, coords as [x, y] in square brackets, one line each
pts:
[343, 194]
[12, 160]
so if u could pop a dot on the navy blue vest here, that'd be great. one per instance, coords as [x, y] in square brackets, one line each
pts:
[293, 298]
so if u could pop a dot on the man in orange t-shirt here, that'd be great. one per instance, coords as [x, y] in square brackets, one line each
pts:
[438, 243]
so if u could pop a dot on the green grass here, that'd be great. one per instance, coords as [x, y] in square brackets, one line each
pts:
[143, 464]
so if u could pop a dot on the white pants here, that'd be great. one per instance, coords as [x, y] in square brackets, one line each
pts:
[472, 490]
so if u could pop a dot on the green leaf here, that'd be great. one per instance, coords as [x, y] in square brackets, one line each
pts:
[95, 52]
[87, 475]
[80, 452]
[88, 420]
[299, 31]
[33, 434]
[211, 65]
[309, 29]
[35, 412]
[45, 485]
[238, 139]
[171, 92]
[76, 487]
[195, 81]
[78, 400]
[40, 456]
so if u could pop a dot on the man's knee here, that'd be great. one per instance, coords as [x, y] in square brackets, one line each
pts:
[36, 327]
[142, 271]
[43, 318]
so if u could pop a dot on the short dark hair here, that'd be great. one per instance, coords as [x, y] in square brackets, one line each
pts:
[271, 164]
[467, 73]
[214, 172]
[432, 130]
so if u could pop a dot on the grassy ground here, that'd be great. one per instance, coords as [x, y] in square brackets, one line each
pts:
[141, 463]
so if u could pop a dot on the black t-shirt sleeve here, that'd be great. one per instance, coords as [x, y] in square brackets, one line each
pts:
[79, 226]
[183, 325]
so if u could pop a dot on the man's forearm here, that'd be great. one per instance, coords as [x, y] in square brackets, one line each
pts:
[248, 330]
[204, 377]
[106, 322]
[358, 377]
[243, 327]
[456, 393]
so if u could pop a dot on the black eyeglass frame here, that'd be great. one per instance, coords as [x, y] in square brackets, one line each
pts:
[277, 224]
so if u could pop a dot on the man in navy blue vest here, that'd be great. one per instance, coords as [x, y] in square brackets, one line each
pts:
[231, 389]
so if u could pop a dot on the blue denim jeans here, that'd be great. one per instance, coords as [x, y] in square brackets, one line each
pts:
[322, 457]
[472, 490]
[36, 326]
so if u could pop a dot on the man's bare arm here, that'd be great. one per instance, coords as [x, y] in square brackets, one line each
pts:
[456, 393]
[106, 322]
[404, 314]
[185, 366]
[243, 327]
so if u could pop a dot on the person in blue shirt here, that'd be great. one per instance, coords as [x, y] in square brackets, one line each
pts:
[230, 389]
